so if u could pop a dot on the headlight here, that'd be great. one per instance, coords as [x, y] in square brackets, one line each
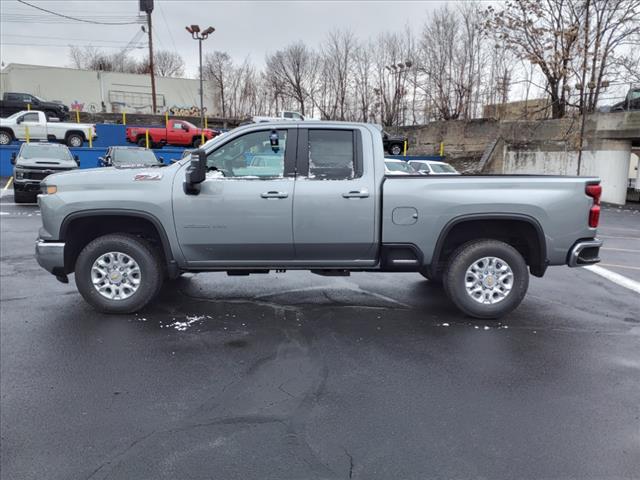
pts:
[19, 174]
[48, 189]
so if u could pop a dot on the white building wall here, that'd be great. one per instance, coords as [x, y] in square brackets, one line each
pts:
[93, 91]
[610, 162]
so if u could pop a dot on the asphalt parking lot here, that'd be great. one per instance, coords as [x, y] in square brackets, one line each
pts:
[296, 376]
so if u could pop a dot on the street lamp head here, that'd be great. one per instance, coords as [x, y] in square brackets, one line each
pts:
[408, 63]
[195, 28]
[189, 30]
[208, 31]
[401, 65]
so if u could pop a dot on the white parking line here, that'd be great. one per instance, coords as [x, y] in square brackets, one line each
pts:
[620, 249]
[623, 238]
[615, 278]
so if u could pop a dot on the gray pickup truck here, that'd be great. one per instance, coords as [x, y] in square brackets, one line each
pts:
[310, 196]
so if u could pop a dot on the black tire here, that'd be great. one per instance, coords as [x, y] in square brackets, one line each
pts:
[196, 142]
[437, 279]
[24, 197]
[6, 137]
[395, 149]
[469, 253]
[142, 142]
[147, 258]
[75, 140]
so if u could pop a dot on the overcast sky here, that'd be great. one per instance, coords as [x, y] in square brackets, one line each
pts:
[250, 28]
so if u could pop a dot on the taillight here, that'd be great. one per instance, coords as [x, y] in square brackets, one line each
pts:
[594, 191]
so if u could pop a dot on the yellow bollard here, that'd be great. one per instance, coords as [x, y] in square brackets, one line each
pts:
[28, 106]
[205, 122]
[442, 149]
[166, 119]
[8, 184]
[405, 148]
[124, 118]
[77, 116]
[90, 137]
[26, 132]
[201, 137]
[146, 137]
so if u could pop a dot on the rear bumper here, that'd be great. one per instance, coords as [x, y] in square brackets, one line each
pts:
[50, 256]
[584, 252]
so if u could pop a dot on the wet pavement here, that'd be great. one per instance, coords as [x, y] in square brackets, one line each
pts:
[297, 376]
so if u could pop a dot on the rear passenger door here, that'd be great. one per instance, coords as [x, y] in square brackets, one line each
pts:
[334, 208]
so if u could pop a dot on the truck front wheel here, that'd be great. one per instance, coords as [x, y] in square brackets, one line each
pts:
[118, 273]
[486, 278]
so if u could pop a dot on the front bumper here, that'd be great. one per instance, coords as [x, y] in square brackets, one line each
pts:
[50, 256]
[584, 252]
[27, 186]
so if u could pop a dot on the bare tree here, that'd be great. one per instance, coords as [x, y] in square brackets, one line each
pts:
[165, 64]
[613, 41]
[218, 67]
[294, 71]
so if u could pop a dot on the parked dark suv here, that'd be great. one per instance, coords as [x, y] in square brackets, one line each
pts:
[393, 144]
[13, 102]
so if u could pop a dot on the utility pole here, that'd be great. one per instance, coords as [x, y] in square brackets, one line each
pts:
[583, 103]
[147, 7]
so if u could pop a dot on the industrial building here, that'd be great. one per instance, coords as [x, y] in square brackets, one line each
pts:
[110, 92]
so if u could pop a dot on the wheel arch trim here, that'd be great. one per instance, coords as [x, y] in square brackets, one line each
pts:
[123, 212]
[538, 268]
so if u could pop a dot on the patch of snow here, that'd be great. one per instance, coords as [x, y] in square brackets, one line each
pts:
[445, 324]
[183, 326]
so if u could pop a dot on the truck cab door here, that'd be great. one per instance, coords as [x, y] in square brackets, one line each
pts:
[32, 122]
[335, 210]
[242, 214]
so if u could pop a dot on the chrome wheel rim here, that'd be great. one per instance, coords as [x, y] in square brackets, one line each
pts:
[489, 280]
[116, 275]
[4, 139]
[76, 142]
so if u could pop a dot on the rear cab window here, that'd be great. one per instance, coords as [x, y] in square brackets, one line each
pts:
[330, 154]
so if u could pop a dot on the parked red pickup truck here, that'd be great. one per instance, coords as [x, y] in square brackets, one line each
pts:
[177, 132]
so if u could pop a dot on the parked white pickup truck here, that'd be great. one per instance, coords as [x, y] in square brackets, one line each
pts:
[35, 123]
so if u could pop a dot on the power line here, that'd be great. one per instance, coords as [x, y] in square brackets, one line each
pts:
[46, 45]
[117, 42]
[74, 18]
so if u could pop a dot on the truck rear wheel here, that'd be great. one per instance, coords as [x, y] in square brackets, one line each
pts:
[395, 149]
[142, 142]
[118, 273]
[486, 278]
[75, 140]
[5, 137]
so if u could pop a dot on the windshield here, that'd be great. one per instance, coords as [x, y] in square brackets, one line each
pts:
[442, 168]
[190, 125]
[400, 167]
[131, 157]
[38, 98]
[634, 94]
[54, 152]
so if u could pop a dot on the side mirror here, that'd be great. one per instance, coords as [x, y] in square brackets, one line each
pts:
[13, 158]
[196, 172]
[19, 121]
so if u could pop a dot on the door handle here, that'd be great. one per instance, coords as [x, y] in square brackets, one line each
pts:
[362, 193]
[274, 194]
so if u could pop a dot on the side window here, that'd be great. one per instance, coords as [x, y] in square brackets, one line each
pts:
[13, 96]
[27, 99]
[331, 154]
[30, 117]
[178, 126]
[250, 156]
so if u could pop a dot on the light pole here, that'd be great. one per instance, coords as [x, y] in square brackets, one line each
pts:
[196, 34]
[396, 71]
